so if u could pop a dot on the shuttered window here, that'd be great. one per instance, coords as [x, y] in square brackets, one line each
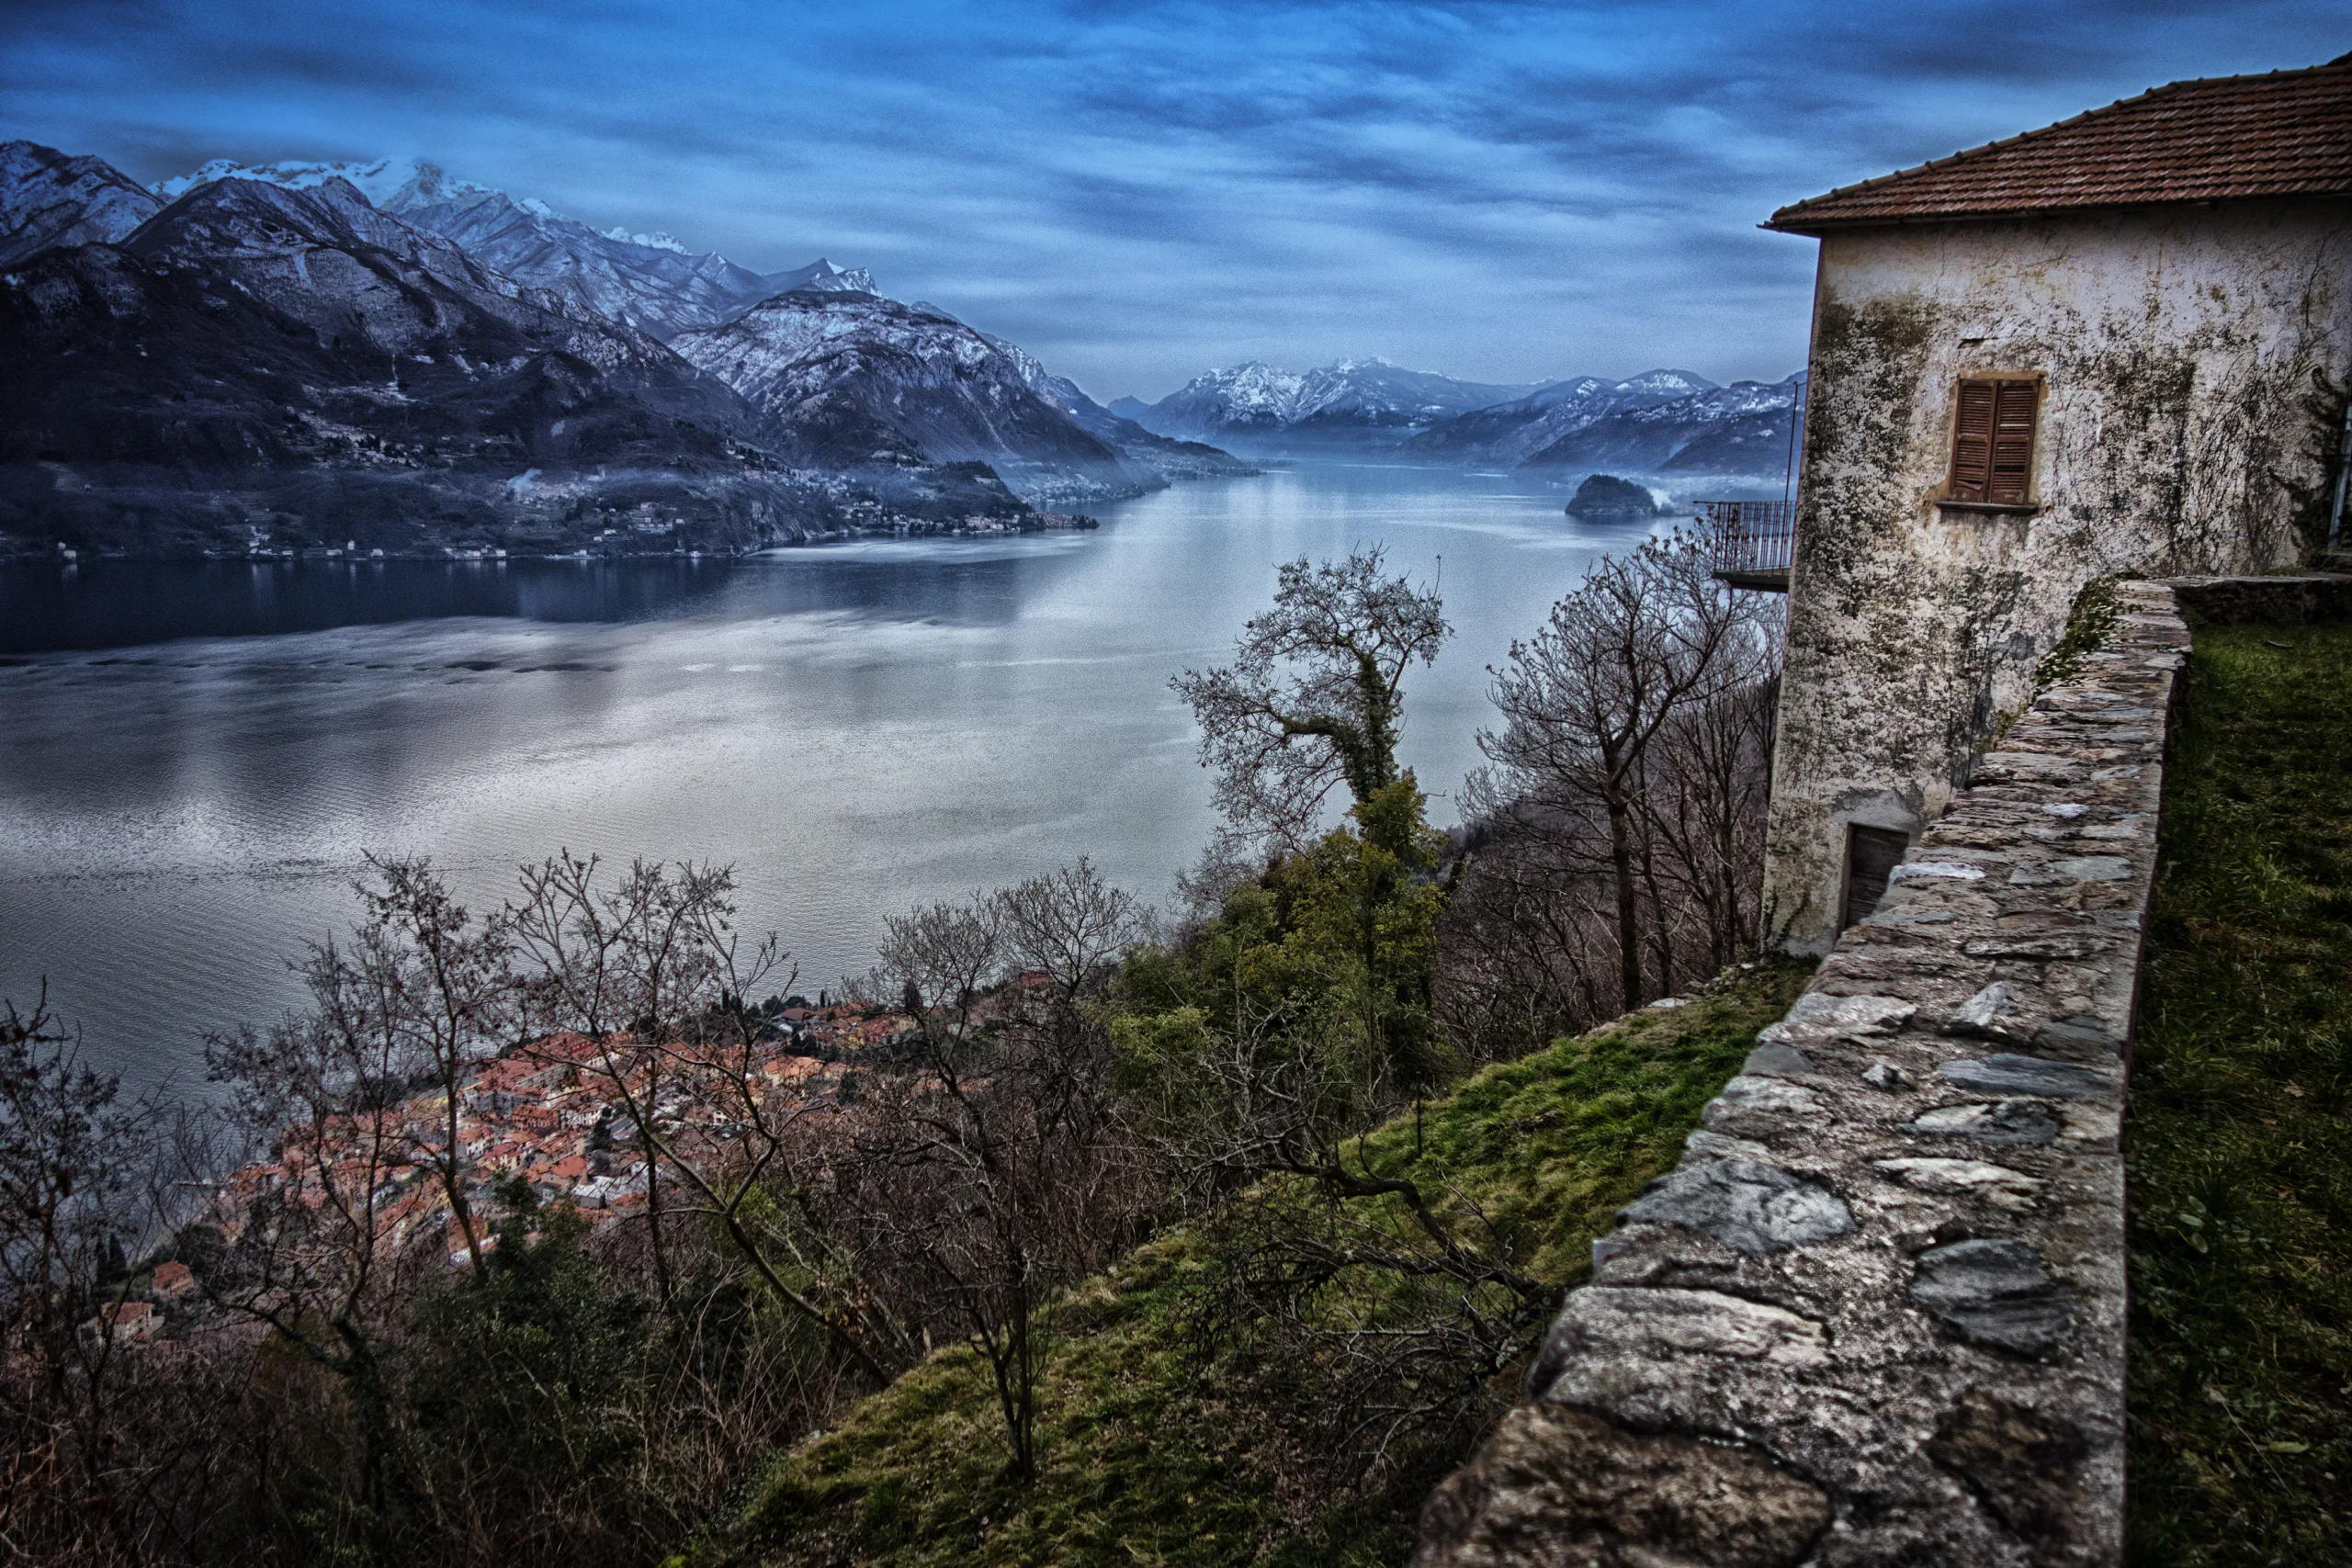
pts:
[1991, 442]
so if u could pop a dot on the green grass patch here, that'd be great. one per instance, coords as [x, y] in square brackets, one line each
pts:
[1148, 1458]
[2239, 1137]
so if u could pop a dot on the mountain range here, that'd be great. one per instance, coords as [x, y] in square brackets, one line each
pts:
[649, 281]
[378, 356]
[1659, 423]
[1345, 401]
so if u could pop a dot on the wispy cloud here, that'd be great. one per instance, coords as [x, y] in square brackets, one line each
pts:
[1500, 190]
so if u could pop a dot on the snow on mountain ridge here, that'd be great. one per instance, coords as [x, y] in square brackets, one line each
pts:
[1347, 398]
[390, 184]
[48, 198]
[854, 379]
[649, 280]
[653, 241]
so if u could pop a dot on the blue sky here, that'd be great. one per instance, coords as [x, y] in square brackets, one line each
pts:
[1507, 192]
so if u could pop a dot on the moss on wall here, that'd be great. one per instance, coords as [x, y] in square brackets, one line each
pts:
[2192, 360]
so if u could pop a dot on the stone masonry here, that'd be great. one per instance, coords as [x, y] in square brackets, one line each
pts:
[1875, 1316]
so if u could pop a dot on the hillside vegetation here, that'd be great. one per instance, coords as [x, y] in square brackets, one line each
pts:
[1163, 1440]
[2240, 1174]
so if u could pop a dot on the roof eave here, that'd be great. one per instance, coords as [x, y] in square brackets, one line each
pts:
[1819, 227]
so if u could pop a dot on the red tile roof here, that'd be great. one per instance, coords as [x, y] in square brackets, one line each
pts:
[2220, 139]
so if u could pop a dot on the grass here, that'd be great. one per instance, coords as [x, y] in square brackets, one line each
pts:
[2240, 1129]
[1148, 1460]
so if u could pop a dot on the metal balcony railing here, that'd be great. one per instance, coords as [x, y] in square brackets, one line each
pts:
[1749, 543]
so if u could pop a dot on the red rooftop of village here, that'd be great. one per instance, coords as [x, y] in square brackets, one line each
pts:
[2216, 139]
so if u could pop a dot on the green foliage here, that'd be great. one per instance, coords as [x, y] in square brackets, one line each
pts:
[2240, 1175]
[1150, 1453]
[521, 1390]
[2088, 623]
[1329, 949]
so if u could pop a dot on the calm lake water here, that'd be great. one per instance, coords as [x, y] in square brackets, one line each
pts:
[198, 756]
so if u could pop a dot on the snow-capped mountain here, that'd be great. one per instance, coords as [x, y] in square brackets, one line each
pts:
[257, 363]
[253, 322]
[649, 281]
[1351, 399]
[391, 185]
[855, 378]
[1506, 435]
[48, 198]
[284, 358]
[1742, 429]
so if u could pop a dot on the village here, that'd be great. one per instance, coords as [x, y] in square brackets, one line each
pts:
[566, 1114]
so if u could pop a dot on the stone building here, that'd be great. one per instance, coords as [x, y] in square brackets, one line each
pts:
[2118, 345]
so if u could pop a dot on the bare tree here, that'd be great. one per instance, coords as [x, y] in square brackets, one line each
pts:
[69, 1155]
[1365, 1304]
[1702, 803]
[1313, 698]
[1528, 940]
[431, 990]
[652, 971]
[1638, 643]
[990, 1176]
[112, 1444]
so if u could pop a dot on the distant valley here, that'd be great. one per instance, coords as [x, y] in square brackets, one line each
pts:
[301, 358]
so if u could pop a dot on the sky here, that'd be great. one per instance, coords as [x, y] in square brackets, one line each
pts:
[1503, 192]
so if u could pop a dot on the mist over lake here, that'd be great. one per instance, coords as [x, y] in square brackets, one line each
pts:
[200, 753]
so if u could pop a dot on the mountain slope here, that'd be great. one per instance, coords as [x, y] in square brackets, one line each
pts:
[48, 198]
[649, 281]
[852, 378]
[1160, 1441]
[1165, 456]
[257, 362]
[243, 321]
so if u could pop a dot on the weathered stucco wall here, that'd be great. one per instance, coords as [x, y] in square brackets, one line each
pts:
[1875, 1317]
[2194, 361]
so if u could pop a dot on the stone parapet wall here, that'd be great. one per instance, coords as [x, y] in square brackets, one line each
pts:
[1875, 1316]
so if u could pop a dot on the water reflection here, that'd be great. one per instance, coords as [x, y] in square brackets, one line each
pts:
[119, 605]
[199, 754]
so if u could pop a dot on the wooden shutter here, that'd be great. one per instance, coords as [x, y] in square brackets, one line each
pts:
[1991, 442]
[1972, 442]
[2012, 443]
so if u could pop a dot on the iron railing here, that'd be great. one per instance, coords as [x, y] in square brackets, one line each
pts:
[1749, 539]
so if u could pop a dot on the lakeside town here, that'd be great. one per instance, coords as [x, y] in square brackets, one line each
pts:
[564, 1116]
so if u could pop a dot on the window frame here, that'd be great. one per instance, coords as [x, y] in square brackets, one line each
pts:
[2004, 481]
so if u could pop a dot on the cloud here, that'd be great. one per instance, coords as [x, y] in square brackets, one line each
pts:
[1504, 191]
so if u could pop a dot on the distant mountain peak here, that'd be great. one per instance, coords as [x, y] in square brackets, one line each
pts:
[653, 241]
[390, 184]
[1667, 381]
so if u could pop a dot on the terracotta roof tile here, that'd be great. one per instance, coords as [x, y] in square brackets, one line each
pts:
[2220, 139]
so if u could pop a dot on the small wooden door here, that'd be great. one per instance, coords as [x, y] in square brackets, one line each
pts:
[1871, 855]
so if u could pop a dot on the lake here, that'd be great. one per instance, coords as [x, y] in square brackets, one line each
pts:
[197, 755]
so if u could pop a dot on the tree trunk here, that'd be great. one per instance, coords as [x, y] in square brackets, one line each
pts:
[1629, 928]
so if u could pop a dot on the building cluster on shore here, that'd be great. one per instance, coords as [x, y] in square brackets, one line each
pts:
[571, 1116]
